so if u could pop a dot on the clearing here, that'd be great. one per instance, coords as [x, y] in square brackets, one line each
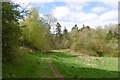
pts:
[62, 64]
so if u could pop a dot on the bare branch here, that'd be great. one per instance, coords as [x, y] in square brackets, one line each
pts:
[25, 8]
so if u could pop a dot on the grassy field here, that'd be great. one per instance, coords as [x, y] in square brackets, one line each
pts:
[30, 66]
[69, 65]
[76, 66]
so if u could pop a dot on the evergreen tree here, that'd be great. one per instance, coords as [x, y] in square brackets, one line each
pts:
[58, 37]
[75, 27]
[10, 30]
[66, 40]
[65, 32]
[58, 29]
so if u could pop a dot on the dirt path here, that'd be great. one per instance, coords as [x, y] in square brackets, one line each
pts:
[55, 70]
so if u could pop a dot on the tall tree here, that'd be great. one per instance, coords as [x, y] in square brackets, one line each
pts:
[50, 22]
[65, 32]
[58, 35]
[35, 33]
[10, 30]
[75, 27]
[58, 29]
[66, 40]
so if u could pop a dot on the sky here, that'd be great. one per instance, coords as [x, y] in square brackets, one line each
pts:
[91, 13]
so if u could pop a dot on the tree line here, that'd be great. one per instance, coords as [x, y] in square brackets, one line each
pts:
[96, 42]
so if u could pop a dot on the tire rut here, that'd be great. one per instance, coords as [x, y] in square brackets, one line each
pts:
[55, 70]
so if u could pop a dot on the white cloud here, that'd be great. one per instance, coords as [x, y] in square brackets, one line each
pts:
[81, 1]
[111, 3]
[21, 1]
[41, 1]
[32, 1]
[84, 1]
[89, 16]
[60, 11]
[111, 15]
[98, 9]
[76, 6]
[69, 18]
[79, 17]
[91, 19]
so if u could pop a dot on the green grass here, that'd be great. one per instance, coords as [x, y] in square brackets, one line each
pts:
[30, 66]
[70, 66]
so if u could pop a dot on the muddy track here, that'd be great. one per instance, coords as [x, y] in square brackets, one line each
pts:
[55, 70]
